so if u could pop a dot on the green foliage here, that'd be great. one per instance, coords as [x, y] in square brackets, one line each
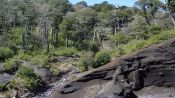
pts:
[150, 7]
[132, 46]
[94, 47]
[87, 62]
[26, 79]
[172, 6]
[120, 38]
[63, 51]
[55, 70]
[125, 13]
[2, 87]
[102, 58]
[40, 59]
[24, 56]
[135, 45]
[155, 29]
[140, 28]
[35, 57]
[103, 7]
[5, 53]
[164, 35]
[11, 65]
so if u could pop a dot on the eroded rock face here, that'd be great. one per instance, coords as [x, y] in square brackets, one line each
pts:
[154, 65]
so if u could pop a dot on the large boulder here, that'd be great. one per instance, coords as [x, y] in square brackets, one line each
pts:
[154, 65]
[44, 73]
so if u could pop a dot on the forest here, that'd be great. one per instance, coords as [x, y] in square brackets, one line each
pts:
[42, 32]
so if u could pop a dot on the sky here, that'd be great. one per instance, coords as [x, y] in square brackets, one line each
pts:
[129, 3]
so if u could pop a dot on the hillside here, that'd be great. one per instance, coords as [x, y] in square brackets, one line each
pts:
[46, 44]
[150, 66]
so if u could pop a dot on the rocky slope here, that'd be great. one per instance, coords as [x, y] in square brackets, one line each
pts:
[154, 65]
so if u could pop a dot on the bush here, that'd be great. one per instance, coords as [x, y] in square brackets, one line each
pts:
[11, 65]
[2, 87]
[23, 56]
[94, 47]
[87, 62]
[164, 35]
[132, 46]
[135, 45]
[155, 29]
[120, 38]
[40, 59]
[102, 58]
[5, 53]
[26, 79]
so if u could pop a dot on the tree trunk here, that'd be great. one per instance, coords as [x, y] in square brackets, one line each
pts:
[94, 35]
[22, 33]
[67, 41]
[56, 38]
[172, 19]
[14, 25]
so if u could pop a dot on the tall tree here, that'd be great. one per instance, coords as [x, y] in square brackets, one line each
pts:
[58, 8]
[171, 9]
[44, 25]
[67, 27]
[148, 8]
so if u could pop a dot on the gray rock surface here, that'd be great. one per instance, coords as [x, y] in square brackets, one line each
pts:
[43, 72]
[5, 78]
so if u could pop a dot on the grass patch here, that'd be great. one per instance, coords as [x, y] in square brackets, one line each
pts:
[63, 51]
[26, 80]
[11, 65]
[5, 53]
[40, 59]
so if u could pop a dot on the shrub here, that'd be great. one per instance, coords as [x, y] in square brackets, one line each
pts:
[132, 46]
[135, 45]
[94, 47]
[23, 56]
[26, 79]
[55, 70]
[5, 53]
[2, 87]
[87, 62]
[164, 35]
[11, 65]
[155, 29]
[40, 59]
[102, 58]
[120, 38]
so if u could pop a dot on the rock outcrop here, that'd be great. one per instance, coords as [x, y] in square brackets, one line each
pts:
[154, 65]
